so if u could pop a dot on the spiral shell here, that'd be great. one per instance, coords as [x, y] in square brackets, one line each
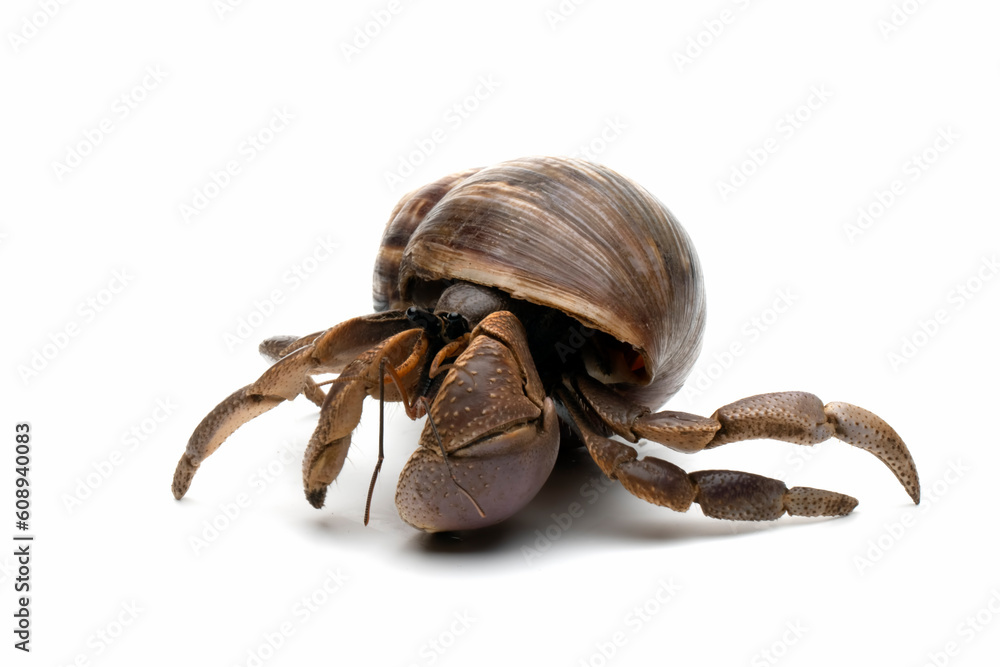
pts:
[565, 234]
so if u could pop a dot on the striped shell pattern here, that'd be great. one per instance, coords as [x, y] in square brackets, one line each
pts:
[565, 234]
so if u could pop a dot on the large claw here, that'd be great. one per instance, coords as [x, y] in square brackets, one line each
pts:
[502, 473]
[491, 439]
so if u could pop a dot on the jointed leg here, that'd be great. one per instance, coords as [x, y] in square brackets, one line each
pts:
[796, 417]
[722, 494]
[278, 346]
[341, 411]
[282, 381]
[298, 358]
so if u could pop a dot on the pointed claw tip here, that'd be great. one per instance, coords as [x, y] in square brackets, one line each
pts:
[183, 475]
[316, 497]
[911, 483]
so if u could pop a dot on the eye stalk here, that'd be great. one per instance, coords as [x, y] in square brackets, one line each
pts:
[424, 319]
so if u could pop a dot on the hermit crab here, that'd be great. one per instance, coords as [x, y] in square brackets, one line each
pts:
[536, 301]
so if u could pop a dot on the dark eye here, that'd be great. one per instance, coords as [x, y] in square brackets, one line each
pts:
[455, 326]
[424, 320]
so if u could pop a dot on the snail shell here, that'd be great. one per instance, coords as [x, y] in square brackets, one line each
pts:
[565, 234]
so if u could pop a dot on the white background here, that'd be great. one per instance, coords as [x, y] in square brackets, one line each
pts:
[891, 584]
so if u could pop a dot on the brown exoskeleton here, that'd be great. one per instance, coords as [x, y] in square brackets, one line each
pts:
[514, 297]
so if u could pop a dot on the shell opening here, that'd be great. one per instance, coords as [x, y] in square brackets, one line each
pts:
[611, 361]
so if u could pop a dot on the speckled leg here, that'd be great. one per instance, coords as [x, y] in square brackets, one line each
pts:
[281, 382]
[743, 496]
[276, 347]
[722, 494]
[341, 344]
[792, 416]
[289, 376]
